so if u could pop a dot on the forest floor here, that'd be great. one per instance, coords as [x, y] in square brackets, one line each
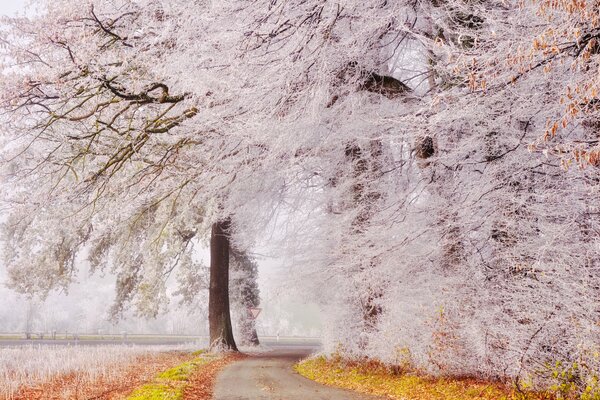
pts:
[377, 379]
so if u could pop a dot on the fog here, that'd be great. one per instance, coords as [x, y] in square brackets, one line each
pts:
[84, 309]
[10, 7]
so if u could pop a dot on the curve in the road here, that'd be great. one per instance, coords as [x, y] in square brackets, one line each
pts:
[270, 376]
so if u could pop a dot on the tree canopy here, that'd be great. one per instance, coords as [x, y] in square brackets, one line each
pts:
[430, 166]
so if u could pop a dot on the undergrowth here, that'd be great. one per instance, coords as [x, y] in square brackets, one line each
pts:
[375, 378]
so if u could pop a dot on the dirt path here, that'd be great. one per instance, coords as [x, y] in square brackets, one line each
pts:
[269, 376]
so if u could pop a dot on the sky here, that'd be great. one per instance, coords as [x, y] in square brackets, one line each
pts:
[91, 296]
[10, 7]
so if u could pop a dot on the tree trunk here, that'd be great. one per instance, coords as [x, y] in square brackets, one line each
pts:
[219, 318]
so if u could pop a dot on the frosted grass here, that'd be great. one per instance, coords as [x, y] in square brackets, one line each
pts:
[27, 366]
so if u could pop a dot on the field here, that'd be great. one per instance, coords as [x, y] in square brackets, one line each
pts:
[78, 372]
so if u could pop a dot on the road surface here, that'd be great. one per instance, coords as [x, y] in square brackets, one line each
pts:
[269, 376]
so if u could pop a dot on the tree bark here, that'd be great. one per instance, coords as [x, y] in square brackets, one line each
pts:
[219, 318]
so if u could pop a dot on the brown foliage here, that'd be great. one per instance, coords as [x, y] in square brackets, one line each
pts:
[202, 381]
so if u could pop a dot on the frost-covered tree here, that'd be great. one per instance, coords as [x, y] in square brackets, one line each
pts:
[108, 151]
[245, 295]
[467, 235]
[395, 137]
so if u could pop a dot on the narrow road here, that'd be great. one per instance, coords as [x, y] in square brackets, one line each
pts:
[269, 376]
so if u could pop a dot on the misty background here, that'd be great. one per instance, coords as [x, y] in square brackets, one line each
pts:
[84, 309]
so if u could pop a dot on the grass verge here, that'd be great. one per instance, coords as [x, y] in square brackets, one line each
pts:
[377, 379]
[170, 384]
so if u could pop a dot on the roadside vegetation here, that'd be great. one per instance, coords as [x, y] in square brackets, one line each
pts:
[376, 378]
[45, 372]
[175, 383]
[169, 384]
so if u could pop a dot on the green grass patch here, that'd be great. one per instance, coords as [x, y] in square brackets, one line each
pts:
[156, 391]
[180, 372]
[169, 384]
[378, 379]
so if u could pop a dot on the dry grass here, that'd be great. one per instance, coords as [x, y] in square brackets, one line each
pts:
[375, 378]
[116, 385]
[62, 372]
[108, 373]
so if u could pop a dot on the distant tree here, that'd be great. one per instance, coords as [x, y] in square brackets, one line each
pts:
[245, 294]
